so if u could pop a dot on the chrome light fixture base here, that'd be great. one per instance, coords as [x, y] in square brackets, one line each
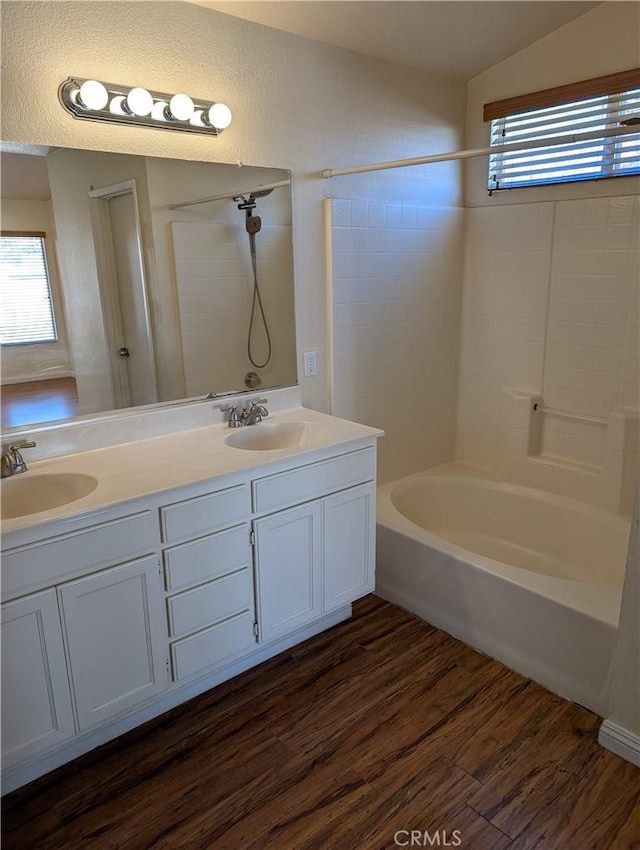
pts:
[108, 102]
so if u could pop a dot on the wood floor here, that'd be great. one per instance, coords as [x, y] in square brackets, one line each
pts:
[31, 402]
[380, 725]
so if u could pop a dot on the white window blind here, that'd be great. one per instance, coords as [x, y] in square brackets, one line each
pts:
[26, 307]
[582, 160]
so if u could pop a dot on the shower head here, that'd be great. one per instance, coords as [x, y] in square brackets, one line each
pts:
[262, 194]
[248, 202]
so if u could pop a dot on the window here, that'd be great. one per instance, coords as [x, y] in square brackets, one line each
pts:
[26, 307]
[593, 106]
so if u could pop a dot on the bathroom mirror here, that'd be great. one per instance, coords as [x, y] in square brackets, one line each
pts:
[148, 303]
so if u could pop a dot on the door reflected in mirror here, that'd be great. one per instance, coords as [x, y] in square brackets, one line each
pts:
[152, 298]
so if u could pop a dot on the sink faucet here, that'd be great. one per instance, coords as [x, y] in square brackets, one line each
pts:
[12, 461]
[235, 414]
[256, 412]
[251, 415]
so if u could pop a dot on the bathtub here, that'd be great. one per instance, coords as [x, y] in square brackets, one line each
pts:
[529, 578]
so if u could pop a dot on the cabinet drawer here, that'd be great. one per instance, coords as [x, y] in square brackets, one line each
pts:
[207, 604]
[213, 646]
[316, 479]
[207, 558]
[58, 558]
[204, 514]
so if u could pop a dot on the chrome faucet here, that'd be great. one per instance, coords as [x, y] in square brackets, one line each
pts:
[256, 412]
[235, 414]
[12, 461]
[251, 415]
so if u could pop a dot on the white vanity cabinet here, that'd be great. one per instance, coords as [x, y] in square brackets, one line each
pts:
[349, 528]
[288, 549]
[115, 639]
[90, 643]
[36, 700]
[114, 615]
[209, 580]
[319, 555]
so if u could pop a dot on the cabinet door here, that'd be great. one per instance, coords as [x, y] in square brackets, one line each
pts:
[288, 567]
[349, 545]
[113, 622]
[36, 703]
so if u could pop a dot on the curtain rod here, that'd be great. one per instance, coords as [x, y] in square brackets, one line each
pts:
[227, 196]
[467, 154]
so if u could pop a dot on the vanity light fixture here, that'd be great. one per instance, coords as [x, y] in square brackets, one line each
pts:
[143, 107]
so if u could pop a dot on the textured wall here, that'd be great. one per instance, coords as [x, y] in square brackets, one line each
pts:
[297, 104]
[70, 173]
[603, 41]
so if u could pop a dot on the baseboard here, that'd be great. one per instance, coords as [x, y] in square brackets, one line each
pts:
[620, 741]
[30, 378]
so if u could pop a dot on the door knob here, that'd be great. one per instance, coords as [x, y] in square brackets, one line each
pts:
[123, 352]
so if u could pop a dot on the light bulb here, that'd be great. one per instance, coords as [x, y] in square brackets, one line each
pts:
[158, 110]
[219, 116]
[116, 105]
[181, 107]
[139, 101]
[196, 119]
[93, 95]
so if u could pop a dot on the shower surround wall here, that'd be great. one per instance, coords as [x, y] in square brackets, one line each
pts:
[214, 285]
[551, 316]
[396, 272]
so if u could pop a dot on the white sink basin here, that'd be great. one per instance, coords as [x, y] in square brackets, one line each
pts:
[271, 436]
[29, 493]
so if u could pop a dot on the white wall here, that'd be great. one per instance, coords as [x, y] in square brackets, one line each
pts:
[625, 685]
[46, 359]
[214, 281]
[603, 41]
[71, 176]
[551, 272]
[551, 294]
[396, 285]
[297, 104]
[195, 266]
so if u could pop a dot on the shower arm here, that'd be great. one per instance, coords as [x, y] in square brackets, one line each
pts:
[229, 196]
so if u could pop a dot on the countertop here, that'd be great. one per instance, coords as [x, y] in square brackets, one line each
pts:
[144, 467]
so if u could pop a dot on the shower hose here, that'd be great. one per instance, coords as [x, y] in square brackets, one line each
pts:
[256, 301]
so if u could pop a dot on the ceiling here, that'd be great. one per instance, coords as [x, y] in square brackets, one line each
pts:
[457, 37]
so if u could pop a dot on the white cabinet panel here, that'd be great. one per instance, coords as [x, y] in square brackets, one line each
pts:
[64, 556]
[206, 558]
[213, 646]
[36, 703]
[349, 545]
[289, 569]
[313, 480]
[114, 630]
[217, 600]
[205, 514]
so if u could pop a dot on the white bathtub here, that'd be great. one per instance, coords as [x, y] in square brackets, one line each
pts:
[532, 579]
